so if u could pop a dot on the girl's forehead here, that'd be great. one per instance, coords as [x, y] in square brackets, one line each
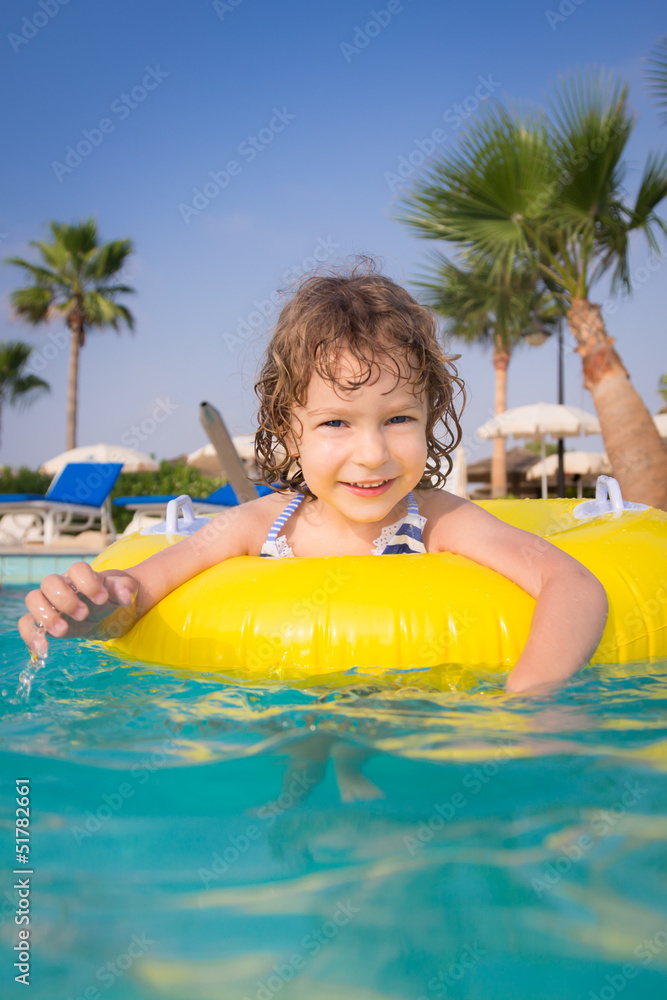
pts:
[355, 380]
[346, 374]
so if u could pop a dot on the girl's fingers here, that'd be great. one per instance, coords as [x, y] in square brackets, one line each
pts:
[63, 596]
[43, 613]
[34, 638]
[109, 585]
[83, 596]
[83, 579]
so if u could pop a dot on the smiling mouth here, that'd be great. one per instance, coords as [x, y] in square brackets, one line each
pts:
[369, 486]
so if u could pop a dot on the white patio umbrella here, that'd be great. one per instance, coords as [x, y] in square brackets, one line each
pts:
[206, 459]
[660, 421]
[537, 421]
[133, 461]
[575, 463]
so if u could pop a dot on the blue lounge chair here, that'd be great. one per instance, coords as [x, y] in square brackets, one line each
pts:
[79, 490]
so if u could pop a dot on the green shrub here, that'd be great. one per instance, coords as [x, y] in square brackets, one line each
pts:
[23, 480]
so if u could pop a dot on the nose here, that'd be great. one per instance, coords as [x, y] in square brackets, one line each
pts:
[371, 449]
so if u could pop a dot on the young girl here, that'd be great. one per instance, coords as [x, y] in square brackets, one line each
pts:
[353, 388]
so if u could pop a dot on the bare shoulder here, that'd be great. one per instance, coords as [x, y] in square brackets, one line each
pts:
[452, 520]
[250, 522]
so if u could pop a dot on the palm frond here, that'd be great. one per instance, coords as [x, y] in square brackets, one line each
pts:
[652, 190]
[25, 389]
[13, 356]
[460, 298]
[486, 193]
[108, 260]
[590, 126]
[54, 254]
[615, 225]
[126, 315]
[80, 241]
[478, 309]
[116, 289]
[31, 304]
[656, 76]
[102, 311]
[17, 386]
[42, 275]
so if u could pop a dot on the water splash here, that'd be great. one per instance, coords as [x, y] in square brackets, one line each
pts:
[36, 663]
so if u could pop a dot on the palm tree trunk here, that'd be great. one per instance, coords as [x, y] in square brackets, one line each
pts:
[637, 455]
[501, 358]
[73, 380]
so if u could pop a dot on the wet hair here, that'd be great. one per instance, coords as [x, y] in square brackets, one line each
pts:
[384, 328]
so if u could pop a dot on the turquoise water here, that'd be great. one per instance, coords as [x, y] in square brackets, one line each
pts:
[376, 838]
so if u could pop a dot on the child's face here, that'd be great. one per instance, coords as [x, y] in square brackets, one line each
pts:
[374, 435]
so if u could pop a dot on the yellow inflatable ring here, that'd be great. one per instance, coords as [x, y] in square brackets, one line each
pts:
[305, 617]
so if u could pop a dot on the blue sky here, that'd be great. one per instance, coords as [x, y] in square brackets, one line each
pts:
[314, 128]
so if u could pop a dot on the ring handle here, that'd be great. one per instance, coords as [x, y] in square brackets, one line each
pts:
[175, 525]
[608, 500]
[608, 488]
[182, 503]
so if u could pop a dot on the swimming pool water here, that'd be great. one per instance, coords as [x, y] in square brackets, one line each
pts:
[402, 836]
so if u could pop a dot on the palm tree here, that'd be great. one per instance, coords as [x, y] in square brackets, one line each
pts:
[17, 386]
[479, 311]
[75, 282]
[544, 191]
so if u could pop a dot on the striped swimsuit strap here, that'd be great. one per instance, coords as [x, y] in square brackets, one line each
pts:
[271, 539]
[401, 539]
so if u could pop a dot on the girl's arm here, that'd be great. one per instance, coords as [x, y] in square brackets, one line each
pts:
[571, 603]
[101, 604]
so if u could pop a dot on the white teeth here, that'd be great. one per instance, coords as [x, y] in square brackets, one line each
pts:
[368, 486]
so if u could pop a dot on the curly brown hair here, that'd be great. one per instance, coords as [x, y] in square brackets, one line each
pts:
[383, 327]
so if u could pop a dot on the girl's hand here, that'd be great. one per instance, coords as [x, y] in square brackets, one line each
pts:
[73, 604]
